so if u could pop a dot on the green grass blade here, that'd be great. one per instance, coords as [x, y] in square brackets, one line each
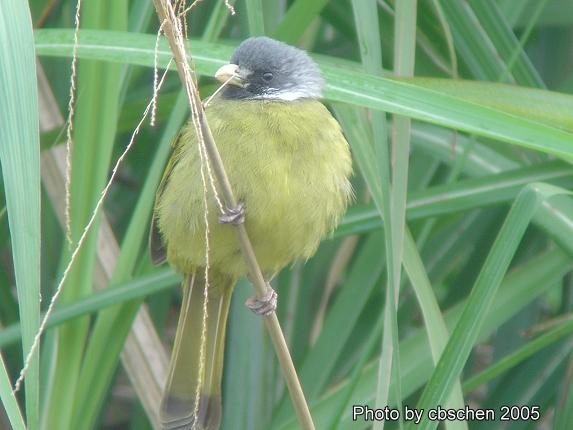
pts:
[519, 355]
[454, 72]
[255, 17]
[483, 191]
[297, 19]
[20, 159]
[370, 346]
[564, 413]
[404, 58]
[140, 14]
[502, 36]
[554, 217]
[9, 402]
[246, 365]
[434, 323]
[437, 108]
[91, 156]
[554, 109]
[217, 20]
[474, 46]
[138, 288]
[534, 380]
[378, 179]
[551, 108]
[482, 159]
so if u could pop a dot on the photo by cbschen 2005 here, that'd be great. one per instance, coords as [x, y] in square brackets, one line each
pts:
[522, 414]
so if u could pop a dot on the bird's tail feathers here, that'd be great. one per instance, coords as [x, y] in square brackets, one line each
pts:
[194, 352]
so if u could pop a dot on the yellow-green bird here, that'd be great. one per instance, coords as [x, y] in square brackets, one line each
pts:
[289, 166]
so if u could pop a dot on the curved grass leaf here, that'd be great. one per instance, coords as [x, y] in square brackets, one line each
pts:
[343, 85]
[478, 193]
[555, 109]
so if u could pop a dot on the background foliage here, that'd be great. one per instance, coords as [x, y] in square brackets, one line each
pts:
[469, 163]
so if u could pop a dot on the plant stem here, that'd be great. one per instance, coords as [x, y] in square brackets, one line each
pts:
[167, 17]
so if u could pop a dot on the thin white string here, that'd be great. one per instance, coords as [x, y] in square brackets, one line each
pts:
[183, 13]
[155, 76]
[184, 16]
[230, 7]
[187, 74]
[69, 128]
[189, 78]
[81, 242]
[218, 90]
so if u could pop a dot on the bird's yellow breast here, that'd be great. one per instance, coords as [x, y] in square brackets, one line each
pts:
[288, 162]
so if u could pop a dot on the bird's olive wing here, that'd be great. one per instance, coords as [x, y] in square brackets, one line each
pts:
[157, 249]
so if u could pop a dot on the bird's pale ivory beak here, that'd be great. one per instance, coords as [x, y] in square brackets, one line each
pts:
[230, 73]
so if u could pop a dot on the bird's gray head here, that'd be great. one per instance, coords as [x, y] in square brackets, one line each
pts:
[263, 68]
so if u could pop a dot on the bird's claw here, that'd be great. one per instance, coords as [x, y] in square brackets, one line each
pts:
[264, 306]
[234, 215]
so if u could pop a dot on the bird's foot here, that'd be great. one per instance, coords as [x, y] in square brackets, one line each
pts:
[265, 305]
[234, 215]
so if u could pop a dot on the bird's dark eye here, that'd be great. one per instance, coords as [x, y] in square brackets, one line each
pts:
[267, 76]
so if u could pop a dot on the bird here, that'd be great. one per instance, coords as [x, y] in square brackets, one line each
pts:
[289, 166]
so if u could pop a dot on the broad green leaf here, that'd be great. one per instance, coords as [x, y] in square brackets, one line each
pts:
[20, 160]
[91, 154]
[555, 109]
[342, 85]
